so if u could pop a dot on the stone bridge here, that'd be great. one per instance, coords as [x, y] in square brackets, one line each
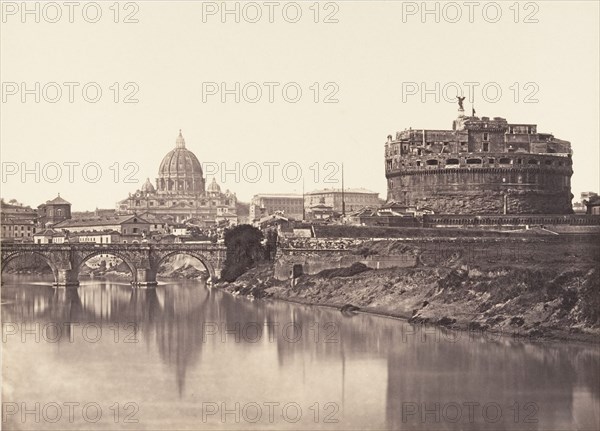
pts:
[143, 260]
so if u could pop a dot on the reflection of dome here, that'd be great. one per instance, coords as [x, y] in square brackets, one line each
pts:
[213, 187]
[180, 171]
[148, 187]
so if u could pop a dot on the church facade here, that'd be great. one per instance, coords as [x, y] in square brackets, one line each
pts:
[181, 194]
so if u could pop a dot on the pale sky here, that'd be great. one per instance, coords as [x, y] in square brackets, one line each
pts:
[375, 50]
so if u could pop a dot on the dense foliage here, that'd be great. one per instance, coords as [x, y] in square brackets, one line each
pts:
[244, 250]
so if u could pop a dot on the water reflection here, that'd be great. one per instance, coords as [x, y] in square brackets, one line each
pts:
[197, 346]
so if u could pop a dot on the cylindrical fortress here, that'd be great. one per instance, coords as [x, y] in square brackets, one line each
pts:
[482, 166]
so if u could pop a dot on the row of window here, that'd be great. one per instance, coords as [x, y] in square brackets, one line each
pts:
[348, 197]
[10, 227]
[93, 239]
[175, 203]
[59, 212]
[61, 241]
[18, 234]
[491, 161]
[133, 230]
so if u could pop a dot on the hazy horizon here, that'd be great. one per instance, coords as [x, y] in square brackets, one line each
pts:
[365, 60]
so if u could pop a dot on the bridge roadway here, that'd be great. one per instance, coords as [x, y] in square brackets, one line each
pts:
[143, 259]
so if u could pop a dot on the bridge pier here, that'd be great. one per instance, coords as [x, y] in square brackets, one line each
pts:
[66, 278]
[144, 277]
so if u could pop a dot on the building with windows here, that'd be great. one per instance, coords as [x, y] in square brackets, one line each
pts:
[354, 199]
[157, 223]
[593, 205]
[50, 236]
[580, 207]
[319, 212]
[19, 230]
[53, 211]
[18, 222]
[181, 193]
[482, 166]
[17, 211]
[95, 237]
[130, 228]
[289, 205]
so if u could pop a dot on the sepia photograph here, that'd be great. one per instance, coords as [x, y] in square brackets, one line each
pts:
[300, 215]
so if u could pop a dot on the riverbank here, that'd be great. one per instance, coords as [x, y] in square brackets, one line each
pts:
[553, 294]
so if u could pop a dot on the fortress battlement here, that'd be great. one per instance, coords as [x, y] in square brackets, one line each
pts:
[481, 166]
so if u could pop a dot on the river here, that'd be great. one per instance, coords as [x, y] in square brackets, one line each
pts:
[184, 356]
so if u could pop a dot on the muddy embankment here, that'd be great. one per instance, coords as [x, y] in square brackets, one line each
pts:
[540, 289]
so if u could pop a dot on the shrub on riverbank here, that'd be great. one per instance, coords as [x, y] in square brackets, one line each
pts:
[244, 250]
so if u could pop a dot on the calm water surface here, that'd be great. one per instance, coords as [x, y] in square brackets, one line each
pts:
[183, 356]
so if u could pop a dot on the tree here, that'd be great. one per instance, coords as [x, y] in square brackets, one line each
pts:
[271, 244]
[244, 250]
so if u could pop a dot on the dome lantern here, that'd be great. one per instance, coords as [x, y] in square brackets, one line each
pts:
[148, 187]
[180, 142]
[213, 187]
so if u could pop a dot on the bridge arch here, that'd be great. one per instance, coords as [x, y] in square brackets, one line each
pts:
[6, 259]
[87, 256]
[143, 260]
[200, 256]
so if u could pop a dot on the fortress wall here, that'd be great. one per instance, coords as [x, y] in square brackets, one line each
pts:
[530, 188]
[313, 265]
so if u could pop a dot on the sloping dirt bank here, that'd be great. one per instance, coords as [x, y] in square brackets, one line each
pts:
[545, 290]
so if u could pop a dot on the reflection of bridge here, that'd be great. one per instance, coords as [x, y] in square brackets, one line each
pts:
[142, 259]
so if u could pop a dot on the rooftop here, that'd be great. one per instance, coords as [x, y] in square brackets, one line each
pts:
[18, 208]
[95, 232]
[346, 190]
[277, 195]
[98, 221]
[57, 201]
[49, 232]
[17, 221]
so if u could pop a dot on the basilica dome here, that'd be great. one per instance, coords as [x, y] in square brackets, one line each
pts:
[180, 171]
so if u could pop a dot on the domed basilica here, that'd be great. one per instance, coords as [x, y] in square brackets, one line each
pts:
[181, 193]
